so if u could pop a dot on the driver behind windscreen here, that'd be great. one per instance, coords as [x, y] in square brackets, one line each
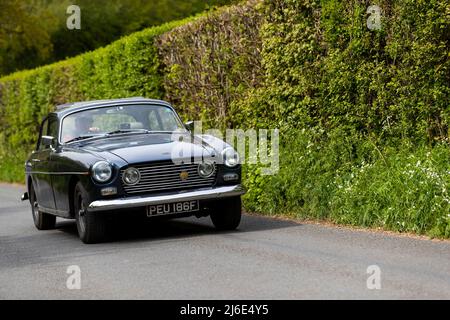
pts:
[83, 126]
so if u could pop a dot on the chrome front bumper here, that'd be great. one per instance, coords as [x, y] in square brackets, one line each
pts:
[199, 194]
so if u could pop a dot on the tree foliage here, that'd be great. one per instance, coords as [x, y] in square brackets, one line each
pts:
[25, 35]
[33, 33]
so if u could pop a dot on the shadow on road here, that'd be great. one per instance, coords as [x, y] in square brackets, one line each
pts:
[144, 230]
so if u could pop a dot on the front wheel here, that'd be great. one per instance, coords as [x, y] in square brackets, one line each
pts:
[42, 220]
[227, 214]
[91, 226]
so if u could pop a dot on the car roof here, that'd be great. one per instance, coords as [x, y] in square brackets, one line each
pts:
[67, 108]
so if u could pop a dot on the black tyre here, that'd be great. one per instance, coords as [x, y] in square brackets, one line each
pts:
[42, 220]
[227, 214]
[91, 226]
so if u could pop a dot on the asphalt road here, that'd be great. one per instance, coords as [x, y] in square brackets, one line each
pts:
[188, 259]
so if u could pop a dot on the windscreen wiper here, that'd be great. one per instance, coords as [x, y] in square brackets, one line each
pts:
[81, 138]
[127, 131]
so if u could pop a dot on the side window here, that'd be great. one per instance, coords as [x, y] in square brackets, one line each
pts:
[53, 128]
[43, 132]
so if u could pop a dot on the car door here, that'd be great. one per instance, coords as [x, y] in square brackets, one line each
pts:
[43, 168]
[62, 175]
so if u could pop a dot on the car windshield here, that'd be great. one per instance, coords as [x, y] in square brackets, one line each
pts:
[119, 119]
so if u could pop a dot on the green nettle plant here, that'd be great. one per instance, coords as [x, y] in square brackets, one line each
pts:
[363, 112]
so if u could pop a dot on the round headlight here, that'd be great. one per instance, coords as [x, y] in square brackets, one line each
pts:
[101, 171]
[131, 176]
[206, 169]
[230, 157]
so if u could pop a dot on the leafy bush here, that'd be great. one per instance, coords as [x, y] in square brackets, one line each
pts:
[407, 190]
[348, 179]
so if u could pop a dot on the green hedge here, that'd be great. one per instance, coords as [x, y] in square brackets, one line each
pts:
[212, 62]
[324, 67]
[364, 115]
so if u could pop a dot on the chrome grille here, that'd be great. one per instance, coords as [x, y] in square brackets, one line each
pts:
[166, 176]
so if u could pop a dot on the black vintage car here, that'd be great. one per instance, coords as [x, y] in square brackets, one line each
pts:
[117, 157]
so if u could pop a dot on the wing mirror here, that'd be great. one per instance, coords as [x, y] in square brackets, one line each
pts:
[47, 141]
[189, 125]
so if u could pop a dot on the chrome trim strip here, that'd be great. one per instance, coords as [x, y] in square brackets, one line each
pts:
[169, 164]
[164, 188]
[170, 181]
[199, 194]
[150, 184]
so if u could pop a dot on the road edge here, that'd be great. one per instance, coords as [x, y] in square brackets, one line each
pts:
[334, 225]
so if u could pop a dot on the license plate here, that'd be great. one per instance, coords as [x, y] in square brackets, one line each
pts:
[172, 208]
